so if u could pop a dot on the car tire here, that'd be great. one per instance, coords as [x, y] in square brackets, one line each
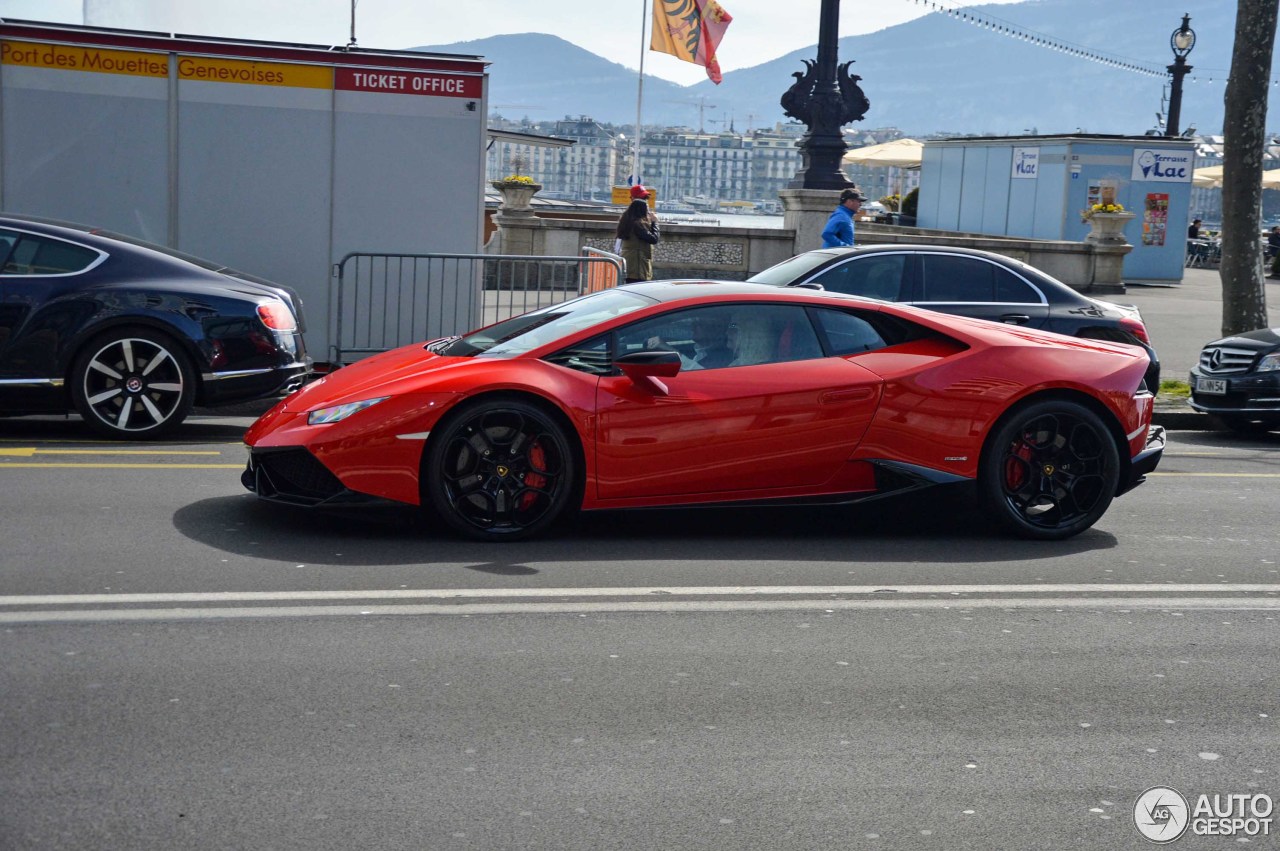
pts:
[500, 470]
[133, 383]
[1049, 471]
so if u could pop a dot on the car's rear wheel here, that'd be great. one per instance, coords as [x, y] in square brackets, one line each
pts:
[133, 383]
[1050, 471]
[500, 470]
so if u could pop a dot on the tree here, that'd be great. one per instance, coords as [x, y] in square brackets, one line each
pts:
[1244, 124]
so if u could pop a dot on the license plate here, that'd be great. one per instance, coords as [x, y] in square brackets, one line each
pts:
[1212, 386]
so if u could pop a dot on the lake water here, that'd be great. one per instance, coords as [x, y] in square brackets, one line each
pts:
[728, 220]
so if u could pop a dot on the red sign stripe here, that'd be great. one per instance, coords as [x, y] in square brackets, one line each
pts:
[406, 83]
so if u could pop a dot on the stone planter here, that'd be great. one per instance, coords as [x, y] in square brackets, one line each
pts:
[1106, 235]
[1108, 228]
[516, 196]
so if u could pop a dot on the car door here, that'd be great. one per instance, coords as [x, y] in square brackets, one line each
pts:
[965, 285]
[36, 272]
[779, 415]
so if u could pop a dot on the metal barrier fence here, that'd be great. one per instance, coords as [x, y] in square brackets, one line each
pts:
[382, 301]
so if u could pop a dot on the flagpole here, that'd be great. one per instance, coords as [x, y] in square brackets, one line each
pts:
[635, 169]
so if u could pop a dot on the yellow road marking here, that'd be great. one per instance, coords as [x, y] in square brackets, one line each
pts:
[1223, 475]
[28, 451]
[89, 442]
[1209, 454]
[5, 465]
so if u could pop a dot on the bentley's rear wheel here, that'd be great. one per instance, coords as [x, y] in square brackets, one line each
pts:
[133, 383]
[1050, 471]
[499, 470]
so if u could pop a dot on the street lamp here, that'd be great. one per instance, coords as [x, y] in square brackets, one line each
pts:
[1181, 42]
[824, 97]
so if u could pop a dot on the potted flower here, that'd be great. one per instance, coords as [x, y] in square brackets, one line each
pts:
[1106, 222]
[517, 191]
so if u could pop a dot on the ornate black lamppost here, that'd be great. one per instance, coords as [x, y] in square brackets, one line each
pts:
[1182, 40]
[825, 98]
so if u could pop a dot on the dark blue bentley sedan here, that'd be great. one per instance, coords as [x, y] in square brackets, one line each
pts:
[133, 335]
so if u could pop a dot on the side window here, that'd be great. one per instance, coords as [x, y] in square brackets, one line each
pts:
[699, 335]
[8, 239]
[875, 276]
[1014, 290]
[954, 278]
[727, 335]
[38, 255]
[848, 333]
[591, 357]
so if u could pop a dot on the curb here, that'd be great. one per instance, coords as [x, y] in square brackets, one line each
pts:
[1184, 418]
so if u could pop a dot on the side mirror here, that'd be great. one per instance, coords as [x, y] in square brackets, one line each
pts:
[644, 368]
[658, 362]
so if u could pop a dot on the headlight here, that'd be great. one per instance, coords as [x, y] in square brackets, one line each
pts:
[340, 412]
[1269, 363]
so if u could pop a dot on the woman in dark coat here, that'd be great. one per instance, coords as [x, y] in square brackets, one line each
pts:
[638, 233]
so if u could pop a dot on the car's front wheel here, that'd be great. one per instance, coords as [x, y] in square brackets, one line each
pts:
[500, 470]
[1050, 471]
[133, 383]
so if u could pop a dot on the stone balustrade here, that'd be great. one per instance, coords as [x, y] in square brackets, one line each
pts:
[736, 253]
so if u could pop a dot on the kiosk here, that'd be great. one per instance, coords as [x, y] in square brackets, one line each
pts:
[1038, 186]
[276, 159]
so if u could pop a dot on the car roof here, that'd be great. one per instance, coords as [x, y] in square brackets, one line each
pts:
[889, 248]
[1061, 291]
[696, 288]
[111, 241]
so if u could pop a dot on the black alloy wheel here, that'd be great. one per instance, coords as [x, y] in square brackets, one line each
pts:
[132, 383]
[1050, 471]
[500, 470]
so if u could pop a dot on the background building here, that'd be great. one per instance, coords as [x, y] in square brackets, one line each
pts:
[584, 170]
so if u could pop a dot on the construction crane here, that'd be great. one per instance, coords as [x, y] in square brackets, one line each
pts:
[703, 106]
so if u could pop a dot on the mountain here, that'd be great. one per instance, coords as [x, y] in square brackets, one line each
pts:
[546, 78]
[934, 74]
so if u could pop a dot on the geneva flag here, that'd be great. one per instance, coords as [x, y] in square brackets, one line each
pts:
[690, 30]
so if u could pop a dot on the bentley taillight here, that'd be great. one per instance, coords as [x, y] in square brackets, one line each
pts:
[277, 316]
[1133, 326]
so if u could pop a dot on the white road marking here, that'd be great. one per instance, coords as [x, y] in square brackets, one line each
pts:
[580, 601]
[670, 606]
[642, 591]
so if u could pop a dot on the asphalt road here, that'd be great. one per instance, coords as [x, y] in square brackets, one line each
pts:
[183, 666]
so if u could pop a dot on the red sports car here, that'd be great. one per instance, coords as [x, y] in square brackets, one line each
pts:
[697, 393]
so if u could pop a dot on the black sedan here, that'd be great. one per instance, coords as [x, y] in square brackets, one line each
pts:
[966, 282]
[1238, 380]
[133, 335]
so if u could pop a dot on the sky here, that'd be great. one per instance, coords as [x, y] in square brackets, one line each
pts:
[610, 28]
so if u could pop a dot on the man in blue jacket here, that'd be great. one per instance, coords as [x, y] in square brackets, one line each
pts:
[839, 229]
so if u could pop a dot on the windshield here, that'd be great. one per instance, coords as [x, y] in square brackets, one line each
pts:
[531, 330]
[791, 271]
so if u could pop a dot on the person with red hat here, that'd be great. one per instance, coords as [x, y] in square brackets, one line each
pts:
[637, 234]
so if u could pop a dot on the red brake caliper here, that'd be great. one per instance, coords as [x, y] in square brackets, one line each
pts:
[1015, 474]
[537, 460]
